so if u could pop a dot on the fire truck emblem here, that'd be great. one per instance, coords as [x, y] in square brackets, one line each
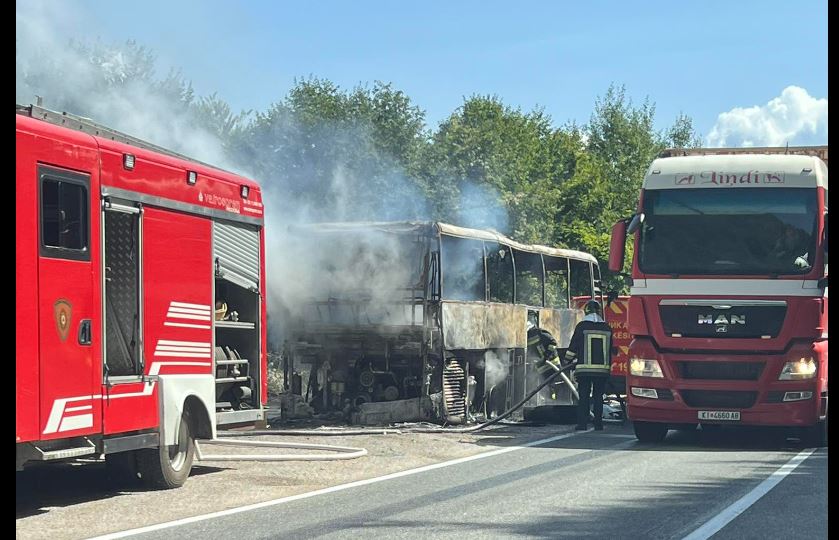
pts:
[63, 312]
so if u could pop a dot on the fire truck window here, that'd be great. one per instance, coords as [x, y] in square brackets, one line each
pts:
[529, 278]
[50, 221]
[580, 278]
[500, 273]
[64, 210]
[556, 282]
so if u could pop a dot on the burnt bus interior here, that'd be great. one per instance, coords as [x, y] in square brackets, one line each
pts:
[426, 310]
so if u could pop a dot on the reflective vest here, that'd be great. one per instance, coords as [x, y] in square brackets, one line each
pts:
[591, 348]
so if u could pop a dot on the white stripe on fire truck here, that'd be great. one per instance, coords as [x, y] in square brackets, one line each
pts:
[57, 420]
[187, 325]
[76, 422]
[155, 370]
[192, 311]
[184, 343]
[198, 347]
[186, 305]
[170, 348]
[188, 316]
[82, 408]
[58, 409]
[183, 354]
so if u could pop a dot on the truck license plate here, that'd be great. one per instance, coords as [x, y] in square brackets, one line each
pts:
[720, 415]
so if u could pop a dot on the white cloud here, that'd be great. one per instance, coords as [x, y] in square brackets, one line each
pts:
[795, 118]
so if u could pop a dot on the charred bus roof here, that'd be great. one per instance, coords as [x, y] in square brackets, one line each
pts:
[437, 228]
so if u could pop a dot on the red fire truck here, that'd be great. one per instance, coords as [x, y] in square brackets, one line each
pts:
[139, 311]
[728, 307]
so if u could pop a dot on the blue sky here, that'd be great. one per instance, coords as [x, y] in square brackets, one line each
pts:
[700, 58]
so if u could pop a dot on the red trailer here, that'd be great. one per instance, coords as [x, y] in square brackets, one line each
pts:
[140, 313]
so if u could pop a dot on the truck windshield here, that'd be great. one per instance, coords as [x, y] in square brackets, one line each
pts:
[769, 231]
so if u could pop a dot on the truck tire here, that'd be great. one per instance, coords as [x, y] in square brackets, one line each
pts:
[168, 467]
[122, 467]
[651, 432]
[816, 436]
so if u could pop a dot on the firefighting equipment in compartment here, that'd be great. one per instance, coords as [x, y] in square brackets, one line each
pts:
[221, 310]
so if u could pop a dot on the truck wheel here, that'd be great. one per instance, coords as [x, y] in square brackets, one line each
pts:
[168, 467]
[650, 431]
[122, 467]
[816, 435]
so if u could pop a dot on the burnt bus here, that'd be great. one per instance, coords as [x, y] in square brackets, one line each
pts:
[425, 320]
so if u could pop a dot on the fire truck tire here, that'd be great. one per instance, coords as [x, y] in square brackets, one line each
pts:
[168, 467]
[651, 432]
[121, 467]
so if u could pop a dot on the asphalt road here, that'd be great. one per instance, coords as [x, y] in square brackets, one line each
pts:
[589, 485]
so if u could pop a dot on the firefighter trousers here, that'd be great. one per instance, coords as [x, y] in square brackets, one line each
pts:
[590, 387]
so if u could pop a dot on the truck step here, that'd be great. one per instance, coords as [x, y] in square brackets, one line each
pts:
[66, 453]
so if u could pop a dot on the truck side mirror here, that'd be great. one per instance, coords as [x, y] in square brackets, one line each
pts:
[635, 224]
[617, 247]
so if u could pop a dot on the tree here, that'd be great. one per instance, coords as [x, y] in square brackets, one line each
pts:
[341, 155]
[682, 134]
[504, 158]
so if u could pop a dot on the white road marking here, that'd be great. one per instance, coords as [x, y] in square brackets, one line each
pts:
[710, 528]
[333, 489]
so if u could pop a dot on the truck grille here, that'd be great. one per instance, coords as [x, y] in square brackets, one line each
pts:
[692, 319]
[719, 398]
[721, 371]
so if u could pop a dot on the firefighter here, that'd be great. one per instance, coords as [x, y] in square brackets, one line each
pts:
[542, 349]
[591, 350]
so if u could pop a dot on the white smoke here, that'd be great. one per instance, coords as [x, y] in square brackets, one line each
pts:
[115, 85]
[795, 118]
[112, 85]
[496, 368]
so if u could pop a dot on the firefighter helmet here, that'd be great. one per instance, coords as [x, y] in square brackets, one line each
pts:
[593, 306]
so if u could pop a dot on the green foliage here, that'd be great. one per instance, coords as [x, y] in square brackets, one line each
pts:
[325, 153]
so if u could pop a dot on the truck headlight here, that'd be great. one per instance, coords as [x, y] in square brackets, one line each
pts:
[642, 367]
[804, 368]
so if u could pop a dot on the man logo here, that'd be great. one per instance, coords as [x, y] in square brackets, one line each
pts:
[63, 312]
[721, 319]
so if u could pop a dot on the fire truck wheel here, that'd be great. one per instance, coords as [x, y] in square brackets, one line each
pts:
[122, 467]
[650, 431]
[168, 467]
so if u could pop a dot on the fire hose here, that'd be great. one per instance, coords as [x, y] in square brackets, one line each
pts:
[342, 452]
[559, 372]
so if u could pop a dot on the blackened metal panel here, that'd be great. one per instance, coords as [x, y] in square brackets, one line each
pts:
[482, 325]
[560, 323]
